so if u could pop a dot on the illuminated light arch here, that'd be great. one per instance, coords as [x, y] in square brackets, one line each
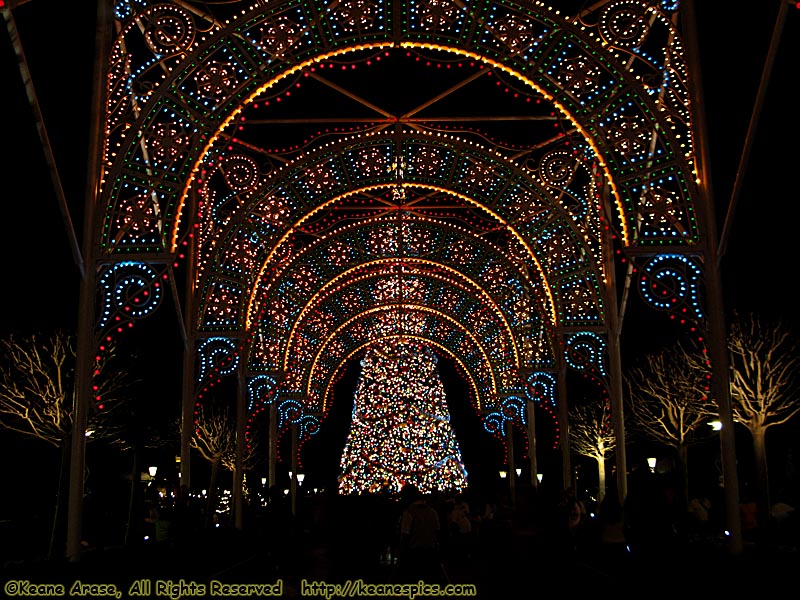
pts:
[555, 219]
[500, 293]
[397, 311]
[549, 95]
[570, 286]
[465, 291]
[502, 223]
[366, 272]
[496, 361]
[164, 121]
[591, 131]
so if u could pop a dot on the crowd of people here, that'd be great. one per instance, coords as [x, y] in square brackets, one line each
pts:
[447, 536]
[476, 536]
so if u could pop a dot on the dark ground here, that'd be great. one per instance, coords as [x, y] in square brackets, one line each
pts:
[511, 558]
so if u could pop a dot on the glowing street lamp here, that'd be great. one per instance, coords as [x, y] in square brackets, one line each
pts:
[503, 474]
[715, 425]
[651, 462]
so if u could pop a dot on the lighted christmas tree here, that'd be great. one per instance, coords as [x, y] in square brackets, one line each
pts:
[400, 432]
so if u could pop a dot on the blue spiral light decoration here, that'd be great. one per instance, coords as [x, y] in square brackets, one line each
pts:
[260, 390]
[290, 412]
[671, 282]
[217, 355]
[585, 351]
[129, 290]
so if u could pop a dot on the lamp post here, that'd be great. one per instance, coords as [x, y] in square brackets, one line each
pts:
[151, 471]
[299, 492]
[294, 433]
[651, 462]
[716, 427]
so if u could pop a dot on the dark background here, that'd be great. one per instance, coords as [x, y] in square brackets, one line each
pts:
[40, 278]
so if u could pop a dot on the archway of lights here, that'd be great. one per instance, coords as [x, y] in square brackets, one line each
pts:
[327, 175]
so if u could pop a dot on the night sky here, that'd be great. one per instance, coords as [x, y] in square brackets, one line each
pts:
[41, 279]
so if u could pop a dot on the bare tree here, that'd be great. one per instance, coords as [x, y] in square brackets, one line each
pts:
[252, 453]
[37, 389]
[668, 403]
[764, 359]
[37, 395]
[592, 435]
[253, 456]
[214, 438]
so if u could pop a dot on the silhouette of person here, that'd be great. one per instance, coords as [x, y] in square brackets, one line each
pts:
[419, 538]
[611, 546]
[572, 520]
[279, 523]
[459, 523]
[649, 526]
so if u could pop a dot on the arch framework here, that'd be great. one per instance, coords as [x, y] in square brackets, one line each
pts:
[488, 177]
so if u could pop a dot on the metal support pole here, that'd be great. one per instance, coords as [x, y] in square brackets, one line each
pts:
[293, 483]
[563, 419]
[614, 328]
[717, 329]
[86, 313]
[532, 444]
[188, 388]
[273, 444]
[47, 148]
[238, 471]
[751, 129]
[512, 474]
[618, 414]
[187, 416]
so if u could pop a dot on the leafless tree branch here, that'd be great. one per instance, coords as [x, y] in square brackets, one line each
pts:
[668, 398]
[37, 378]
